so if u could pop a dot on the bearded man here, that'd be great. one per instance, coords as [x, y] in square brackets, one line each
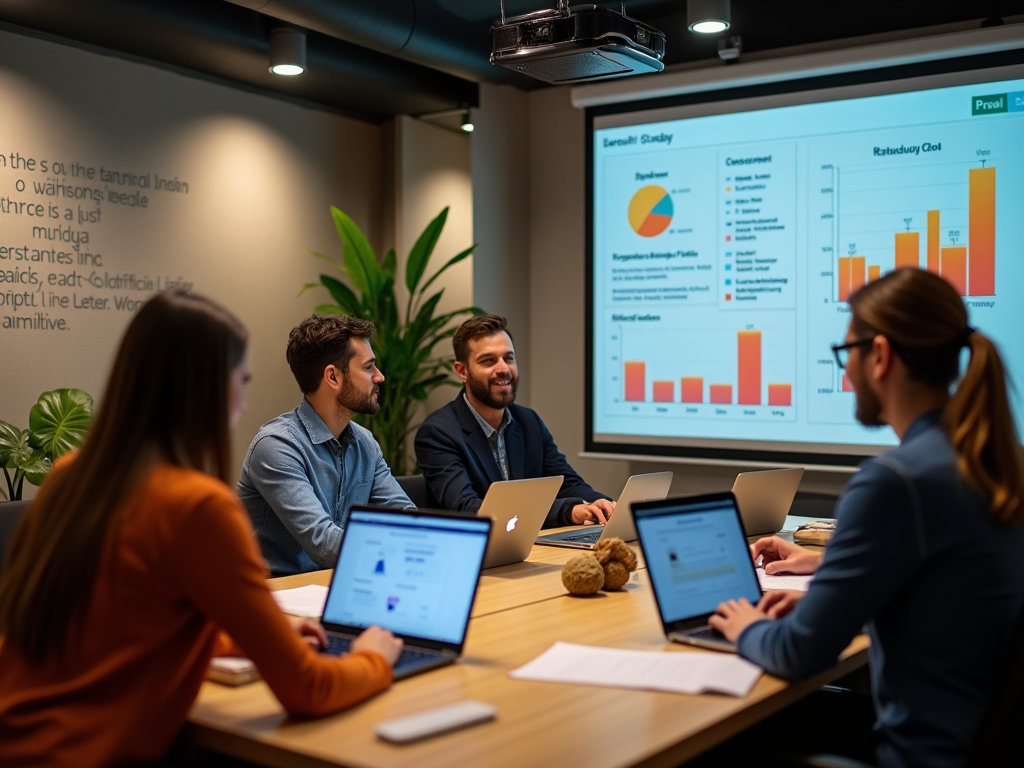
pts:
[481, 437]
[306, 468]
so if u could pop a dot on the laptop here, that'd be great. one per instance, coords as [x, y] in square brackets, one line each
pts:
[518, 508]
[651, 487]
[765, 497]
[697, 557]
[413, 572]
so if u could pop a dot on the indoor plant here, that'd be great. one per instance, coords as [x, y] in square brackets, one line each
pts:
[405, 341]
[57, 423]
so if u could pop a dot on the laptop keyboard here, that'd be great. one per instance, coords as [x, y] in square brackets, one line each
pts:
[590, 537]
[339, 645]
[709, 634]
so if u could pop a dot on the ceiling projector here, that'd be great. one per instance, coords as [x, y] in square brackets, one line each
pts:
[577, 44]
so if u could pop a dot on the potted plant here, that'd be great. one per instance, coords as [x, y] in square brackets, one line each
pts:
[57, 423]
[406, 340]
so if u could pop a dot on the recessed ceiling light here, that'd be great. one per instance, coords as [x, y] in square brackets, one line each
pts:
[708, 16]
[287, 51]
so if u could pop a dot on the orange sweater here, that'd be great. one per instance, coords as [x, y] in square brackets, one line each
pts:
[183, 565]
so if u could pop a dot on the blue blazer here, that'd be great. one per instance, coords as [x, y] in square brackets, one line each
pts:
[459, 467]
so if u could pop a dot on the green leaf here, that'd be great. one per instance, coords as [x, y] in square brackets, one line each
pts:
[36, 468]
[390, 263]
[306, 287]
[333, 262]
[347, 301]
[360, 260]
[453, 260]
[59, 421]
[11, 440]
[328, 309]
[421, 251]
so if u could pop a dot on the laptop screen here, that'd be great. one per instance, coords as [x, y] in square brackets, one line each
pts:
[413, 574]
[697, 556]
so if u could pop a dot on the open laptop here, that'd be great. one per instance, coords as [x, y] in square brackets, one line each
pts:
[518, 508]
[764, 498]
[410, 571]
[651, 487]
[697, 557]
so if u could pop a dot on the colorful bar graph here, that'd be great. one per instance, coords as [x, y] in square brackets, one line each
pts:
[663, 391]
[692, 388]
[908, 249]
[953, 267]
[748, 352]
[981, 186]
[721, 394]
[636, 381]
[857, 272]
[874, 272]
[845, 270]
[780, 394]
[933, 241]
[847, 386]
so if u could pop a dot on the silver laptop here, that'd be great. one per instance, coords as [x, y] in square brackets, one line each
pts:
[765, 497]
[651, 487]
[518, 508]
[413, 572]
[697, 557]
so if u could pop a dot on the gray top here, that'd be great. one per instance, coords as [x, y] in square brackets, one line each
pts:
[298, 482]
[495, 437]
[939, 583]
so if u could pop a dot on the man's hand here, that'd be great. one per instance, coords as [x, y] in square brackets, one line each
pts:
[733, 616]
[380, 641]
[310, 631]
[599, 512]
[781, 556]
[777, 603]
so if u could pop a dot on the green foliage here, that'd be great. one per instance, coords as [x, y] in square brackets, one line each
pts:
[57, 423]
[405, 342]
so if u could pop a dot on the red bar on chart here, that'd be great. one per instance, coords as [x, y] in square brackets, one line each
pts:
[780, 394]
[981, 193]
[953, 267]
[908, 249]
[844, 277]
[636, 381]
[663, 391]
[847, 386]
[857, 270]
[933, 241]
[874, 272]
[692, 389]
[721, 394]
[748, 353]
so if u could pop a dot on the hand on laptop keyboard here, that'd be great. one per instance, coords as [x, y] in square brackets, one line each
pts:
[372, 639]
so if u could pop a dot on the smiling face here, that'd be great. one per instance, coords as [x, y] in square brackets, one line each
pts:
[490, 374]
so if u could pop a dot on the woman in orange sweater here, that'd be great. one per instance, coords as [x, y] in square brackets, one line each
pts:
[136, 564]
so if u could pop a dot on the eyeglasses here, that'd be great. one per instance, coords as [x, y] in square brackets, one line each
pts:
[842, 351]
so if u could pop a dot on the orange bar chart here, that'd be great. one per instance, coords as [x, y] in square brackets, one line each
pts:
[908, 249]
[857, 272]
[692, 388]
[748, 349]
[636, 381]
[981, 193]
[780, 394]
[663, 391]
[721, 394]
[953, 267]
[845, 269]
[933, 241]
[847, 386]
[874, 272]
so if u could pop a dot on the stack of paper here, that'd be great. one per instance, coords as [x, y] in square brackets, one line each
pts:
[307, 602]
[671, 671]
[783, 581]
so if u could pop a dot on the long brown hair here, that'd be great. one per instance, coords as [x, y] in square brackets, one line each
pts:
[926, 323]
[166, 400]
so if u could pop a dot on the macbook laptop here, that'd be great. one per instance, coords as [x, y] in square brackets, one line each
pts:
[518, 508]
[651, 487]
[697, 557]
[764, 498]
[410, 571]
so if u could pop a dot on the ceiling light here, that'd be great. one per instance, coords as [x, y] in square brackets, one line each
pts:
[466, 125]
[287, 51]
[707, 16]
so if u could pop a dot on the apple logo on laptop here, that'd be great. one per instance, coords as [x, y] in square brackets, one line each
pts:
[512, 523]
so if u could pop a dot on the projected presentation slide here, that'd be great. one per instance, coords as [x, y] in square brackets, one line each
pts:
[725, 247]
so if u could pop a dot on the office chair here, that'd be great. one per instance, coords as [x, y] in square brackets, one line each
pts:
[415, 487]
[820, 505]
[11, 513]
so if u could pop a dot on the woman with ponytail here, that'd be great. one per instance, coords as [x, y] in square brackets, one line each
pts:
[928, 550]
[136, 563]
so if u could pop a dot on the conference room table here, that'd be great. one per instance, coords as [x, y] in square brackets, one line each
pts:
[520, 611]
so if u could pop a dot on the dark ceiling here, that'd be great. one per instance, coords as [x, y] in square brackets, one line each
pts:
[429, 54]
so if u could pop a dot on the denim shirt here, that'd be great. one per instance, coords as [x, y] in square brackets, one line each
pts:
[298, 482]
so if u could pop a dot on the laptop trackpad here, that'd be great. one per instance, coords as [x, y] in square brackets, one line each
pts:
[704, 637]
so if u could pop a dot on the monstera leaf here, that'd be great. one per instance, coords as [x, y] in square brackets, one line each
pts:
[11, 440]
[58, 422]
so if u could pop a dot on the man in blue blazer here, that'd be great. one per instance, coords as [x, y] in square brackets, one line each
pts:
[480, 437]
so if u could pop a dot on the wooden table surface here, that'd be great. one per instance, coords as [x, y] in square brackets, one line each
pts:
[538, 723]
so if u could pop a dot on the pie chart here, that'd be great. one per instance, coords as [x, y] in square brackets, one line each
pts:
[650, 211]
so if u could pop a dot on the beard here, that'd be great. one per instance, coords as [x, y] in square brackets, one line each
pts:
[367, 404]
[481, 389]
[869, 407]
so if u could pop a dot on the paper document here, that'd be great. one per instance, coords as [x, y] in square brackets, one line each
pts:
[783, 581]
[670, 671]
[307, 602]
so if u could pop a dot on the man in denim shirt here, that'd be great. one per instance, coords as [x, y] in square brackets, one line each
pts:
[307, 467]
